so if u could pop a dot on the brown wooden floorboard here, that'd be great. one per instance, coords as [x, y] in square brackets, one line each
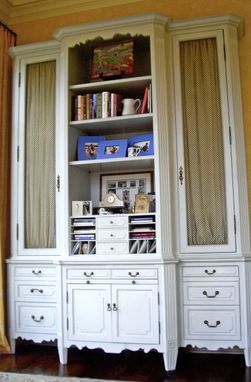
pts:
[127, 366]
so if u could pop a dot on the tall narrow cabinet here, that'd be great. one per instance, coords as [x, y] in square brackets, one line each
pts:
[86, 272]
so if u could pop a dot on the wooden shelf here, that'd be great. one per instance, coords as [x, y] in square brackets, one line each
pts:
[120, 85]
[129, 123]
[116, 164]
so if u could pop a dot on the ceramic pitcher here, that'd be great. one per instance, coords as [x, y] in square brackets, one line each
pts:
[130, 106]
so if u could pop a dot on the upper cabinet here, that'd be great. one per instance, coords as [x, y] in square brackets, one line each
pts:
[116, 90]
[209, 136]
[36, 165]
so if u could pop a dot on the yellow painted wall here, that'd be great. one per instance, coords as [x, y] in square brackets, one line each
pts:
[41, 30]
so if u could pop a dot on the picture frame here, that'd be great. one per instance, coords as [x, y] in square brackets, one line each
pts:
[112, 149]
[88, 147]
[87, 207]
[143, 145]
[114, 59]
[142, 204]
[126, 186]
[77, 208]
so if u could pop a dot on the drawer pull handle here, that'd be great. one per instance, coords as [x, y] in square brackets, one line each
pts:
[111, 222]
[111, 248]
[212, 326]
[88, 275]
[109, 308]
[133, 275]
[37, 320]
[216, 293]
[114, 307]
[37, 290]
[111, 235]
[36, 272]
[210, 272]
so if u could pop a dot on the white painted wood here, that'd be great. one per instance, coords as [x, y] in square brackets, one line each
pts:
[79, 290]
[135, 313]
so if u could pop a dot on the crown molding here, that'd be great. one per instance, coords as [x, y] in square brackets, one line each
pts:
[19, 11]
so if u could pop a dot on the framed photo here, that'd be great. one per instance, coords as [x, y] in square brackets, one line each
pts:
[126, 186]
[142, 204]
[87, 207]
[88, 147]
[77, 208]
[112, 60]
[141, 144]
[112, 149]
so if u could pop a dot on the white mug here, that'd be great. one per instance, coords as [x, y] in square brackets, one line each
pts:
[130, 106]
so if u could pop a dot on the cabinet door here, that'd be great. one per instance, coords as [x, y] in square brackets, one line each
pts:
[38, 166]
[135, 313]
[206, 199]
[89, 312]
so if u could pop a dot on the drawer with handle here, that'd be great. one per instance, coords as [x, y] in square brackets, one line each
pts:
[211, 293]
[36, 318]
[36, 272]
[116, 248]
[211, 271]
[212, 323]
[111, 235]
[87, 273]
[37, 292]
[111, 222]
[137, 273]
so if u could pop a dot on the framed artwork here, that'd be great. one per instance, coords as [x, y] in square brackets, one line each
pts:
[141, 145]
[142, 204]
[112, 60]
[126, 186]
[88, 147]
[112, 149]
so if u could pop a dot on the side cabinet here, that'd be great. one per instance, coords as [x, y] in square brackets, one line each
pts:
[33, 300]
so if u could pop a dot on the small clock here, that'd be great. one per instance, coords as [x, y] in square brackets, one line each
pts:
[111, 200]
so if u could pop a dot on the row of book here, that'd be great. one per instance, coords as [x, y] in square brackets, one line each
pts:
[104, 105]
[142, 219]
[142, 235]
[143, 246]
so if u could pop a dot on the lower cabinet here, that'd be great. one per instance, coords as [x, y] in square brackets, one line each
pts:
[112, 308]
[126, 313]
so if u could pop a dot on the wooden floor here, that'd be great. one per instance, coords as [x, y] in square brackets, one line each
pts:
[127, 366]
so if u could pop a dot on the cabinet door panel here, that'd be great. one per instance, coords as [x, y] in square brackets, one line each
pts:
[88, 312]
[135, 313]
[204, 151]
[38, 194]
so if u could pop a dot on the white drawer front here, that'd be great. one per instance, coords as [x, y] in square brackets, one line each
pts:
[212, 323]
[35, 292]
[135, 273]
[115, 248]
[36, 272]
[112, 234]
[211, 293]
[36, 318]
[211, 271]
[89, 273]
[112, 221]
